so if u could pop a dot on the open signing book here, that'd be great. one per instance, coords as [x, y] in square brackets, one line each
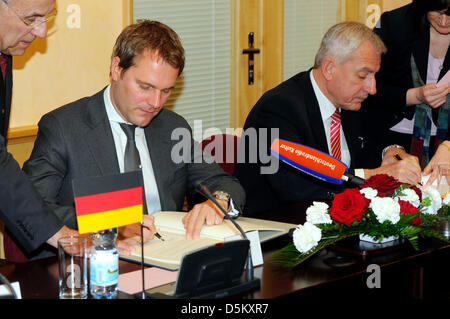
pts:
[168, 253]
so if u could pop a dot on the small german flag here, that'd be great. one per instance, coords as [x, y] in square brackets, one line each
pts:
[108, 201]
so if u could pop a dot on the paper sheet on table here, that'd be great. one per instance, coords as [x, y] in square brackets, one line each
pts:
[255, 246]
[131, 283]
[5, 291]
[425, 179]
[445, 79]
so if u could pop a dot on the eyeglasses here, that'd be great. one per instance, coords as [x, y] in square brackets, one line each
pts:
[32, 22]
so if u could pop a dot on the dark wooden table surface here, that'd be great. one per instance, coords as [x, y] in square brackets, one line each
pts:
[404, 272]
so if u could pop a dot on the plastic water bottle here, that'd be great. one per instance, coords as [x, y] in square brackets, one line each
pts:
[104, 265]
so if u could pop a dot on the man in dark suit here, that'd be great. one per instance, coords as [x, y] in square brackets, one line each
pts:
[5, 93]
[22, 210]
[303, 109]
[87, 137]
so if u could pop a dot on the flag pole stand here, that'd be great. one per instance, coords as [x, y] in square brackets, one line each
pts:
[142, 259]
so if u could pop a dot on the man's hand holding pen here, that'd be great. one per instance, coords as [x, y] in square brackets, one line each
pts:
[400, 165]
[130, 235]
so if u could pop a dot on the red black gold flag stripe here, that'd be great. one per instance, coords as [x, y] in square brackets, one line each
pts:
[108, 201]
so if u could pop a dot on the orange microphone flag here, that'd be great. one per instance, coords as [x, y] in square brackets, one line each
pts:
[106, 202]
[309, 160]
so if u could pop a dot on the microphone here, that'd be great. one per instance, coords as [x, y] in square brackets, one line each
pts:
[201, 188]
[313, 162]
[12, 294]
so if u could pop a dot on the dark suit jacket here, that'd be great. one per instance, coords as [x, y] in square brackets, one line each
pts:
[76, 141]
[22, 210]
[5, 98]
[402, 36]
[291, 107]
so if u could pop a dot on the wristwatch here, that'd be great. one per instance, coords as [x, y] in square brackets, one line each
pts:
[232, 212]
[388, 147]
[223, 196]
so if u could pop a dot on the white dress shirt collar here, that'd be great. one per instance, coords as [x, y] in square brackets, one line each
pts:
[120, 141]
[327, 108]
[111, 111]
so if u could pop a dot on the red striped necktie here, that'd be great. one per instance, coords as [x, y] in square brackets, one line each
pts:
[3, 64]
[335, 134]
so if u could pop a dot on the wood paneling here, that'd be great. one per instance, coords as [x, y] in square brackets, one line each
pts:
[265, 19]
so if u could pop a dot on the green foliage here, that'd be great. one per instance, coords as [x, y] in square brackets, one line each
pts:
[290, 257]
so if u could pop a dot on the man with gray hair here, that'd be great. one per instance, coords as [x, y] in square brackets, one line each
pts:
[314, 108]
[28, 221]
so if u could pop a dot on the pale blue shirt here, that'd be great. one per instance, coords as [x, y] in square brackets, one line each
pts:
[120, 141]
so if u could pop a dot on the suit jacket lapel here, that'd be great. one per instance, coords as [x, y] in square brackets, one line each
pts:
[446, 65]
[159, 149]
[316, 128]
[99, 136]
[420, 50]
[5, 97]
[2, 107]
[351, 133]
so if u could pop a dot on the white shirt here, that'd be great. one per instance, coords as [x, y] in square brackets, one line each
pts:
[327, 109]
[120, 141]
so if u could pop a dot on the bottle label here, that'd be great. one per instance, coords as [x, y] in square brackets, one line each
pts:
[104, 268]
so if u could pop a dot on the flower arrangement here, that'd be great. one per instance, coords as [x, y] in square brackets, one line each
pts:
[380, 208]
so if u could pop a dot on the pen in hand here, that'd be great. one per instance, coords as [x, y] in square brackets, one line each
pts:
[157, 235]
[399, 158]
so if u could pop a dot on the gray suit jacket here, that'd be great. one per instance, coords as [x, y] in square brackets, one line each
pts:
[76, 140]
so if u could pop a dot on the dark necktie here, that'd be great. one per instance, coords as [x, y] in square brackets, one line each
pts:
[132, 160]
[3, 64]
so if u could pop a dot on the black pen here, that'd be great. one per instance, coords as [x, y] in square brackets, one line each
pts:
[157, 235]
[399, 158]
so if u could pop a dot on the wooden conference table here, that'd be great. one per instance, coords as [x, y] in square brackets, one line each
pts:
[404, 272]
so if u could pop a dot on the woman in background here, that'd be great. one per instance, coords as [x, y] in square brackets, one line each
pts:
[441, 156]
[409, 109]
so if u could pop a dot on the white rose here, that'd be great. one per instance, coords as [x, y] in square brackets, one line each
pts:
[369, 192]
[385, 208]
[409, 195]
[446, 200]
[306, 236]
[436, 200]
[318, 214]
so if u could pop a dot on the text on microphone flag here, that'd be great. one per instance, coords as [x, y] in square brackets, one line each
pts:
[309, 160]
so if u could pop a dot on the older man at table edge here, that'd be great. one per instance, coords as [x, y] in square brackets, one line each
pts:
[304, 107]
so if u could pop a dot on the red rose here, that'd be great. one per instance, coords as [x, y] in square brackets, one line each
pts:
[408, 208]
[383, 183]
[349, 206]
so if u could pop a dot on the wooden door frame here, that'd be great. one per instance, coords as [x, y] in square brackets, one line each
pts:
[266, 19]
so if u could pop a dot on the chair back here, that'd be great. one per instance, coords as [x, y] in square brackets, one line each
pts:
[224, 149]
